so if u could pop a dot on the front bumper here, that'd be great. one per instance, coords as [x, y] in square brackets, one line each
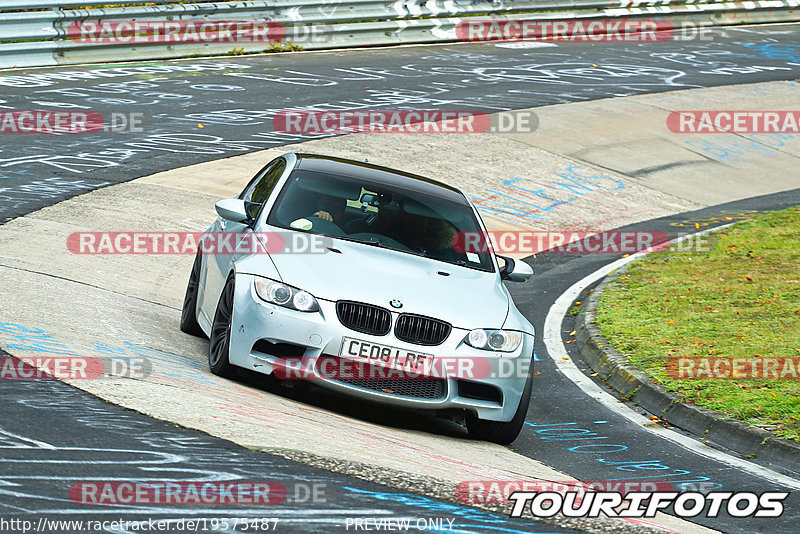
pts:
[319, 334]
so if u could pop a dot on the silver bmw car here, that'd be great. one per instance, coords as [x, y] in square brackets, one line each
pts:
[356, 277]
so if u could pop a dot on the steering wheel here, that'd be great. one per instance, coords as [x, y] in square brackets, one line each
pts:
[318, 224]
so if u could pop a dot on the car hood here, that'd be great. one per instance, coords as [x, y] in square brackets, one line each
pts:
[467, 298]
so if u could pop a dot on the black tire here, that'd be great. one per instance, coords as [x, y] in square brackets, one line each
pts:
[219, 342]
[189, 322]
[503, 433]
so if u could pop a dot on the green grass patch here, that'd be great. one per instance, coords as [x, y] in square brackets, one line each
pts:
[741, 298]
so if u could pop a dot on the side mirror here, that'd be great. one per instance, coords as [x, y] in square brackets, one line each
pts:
[515, 271]
[232, 209]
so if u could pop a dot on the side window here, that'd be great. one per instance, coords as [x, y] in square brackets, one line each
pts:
[267, 182]
[260, 187]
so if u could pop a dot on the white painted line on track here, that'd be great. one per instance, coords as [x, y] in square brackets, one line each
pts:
[557, 351]
[526, 44]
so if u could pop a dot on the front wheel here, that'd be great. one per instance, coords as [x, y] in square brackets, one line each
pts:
[502, 432]
[219, 344]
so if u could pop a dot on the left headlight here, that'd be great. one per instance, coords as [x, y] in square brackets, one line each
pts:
[286, 296]
[499, 340]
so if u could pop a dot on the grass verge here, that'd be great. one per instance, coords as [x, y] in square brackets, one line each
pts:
[740, 299]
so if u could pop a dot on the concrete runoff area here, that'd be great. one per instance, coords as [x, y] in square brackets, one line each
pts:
[101, 305]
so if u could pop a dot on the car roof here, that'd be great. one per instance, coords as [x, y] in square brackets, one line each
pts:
[378, 174]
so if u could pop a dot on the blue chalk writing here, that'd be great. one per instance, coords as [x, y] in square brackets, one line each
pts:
[681, 479]
[519, 199]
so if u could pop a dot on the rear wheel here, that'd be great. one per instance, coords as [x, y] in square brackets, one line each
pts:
[189, 322]
[219, 343]
[502, 432]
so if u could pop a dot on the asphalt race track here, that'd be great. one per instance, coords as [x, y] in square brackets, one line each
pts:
[116, 444]
[235, 98]
[202, 110]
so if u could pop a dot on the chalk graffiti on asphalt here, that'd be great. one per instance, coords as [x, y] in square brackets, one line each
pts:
[31, 193]
[565, 435]
[166, 365]
[527, 201]
[735, 148]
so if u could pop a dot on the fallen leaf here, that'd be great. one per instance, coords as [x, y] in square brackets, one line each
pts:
[672, 321]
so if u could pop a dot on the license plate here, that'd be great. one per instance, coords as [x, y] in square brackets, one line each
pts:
[385, 356]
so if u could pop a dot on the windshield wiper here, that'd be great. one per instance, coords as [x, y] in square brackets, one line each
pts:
[374, 241]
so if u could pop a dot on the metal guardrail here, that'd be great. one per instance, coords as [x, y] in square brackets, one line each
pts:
[35, 33]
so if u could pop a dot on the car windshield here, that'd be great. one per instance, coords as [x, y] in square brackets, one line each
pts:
[382, 215]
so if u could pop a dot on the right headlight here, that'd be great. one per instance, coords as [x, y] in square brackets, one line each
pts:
[498, 340]
[286, 296]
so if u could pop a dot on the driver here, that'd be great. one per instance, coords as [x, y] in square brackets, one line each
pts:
[324, 215]
[428, 234]
[328, 207]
